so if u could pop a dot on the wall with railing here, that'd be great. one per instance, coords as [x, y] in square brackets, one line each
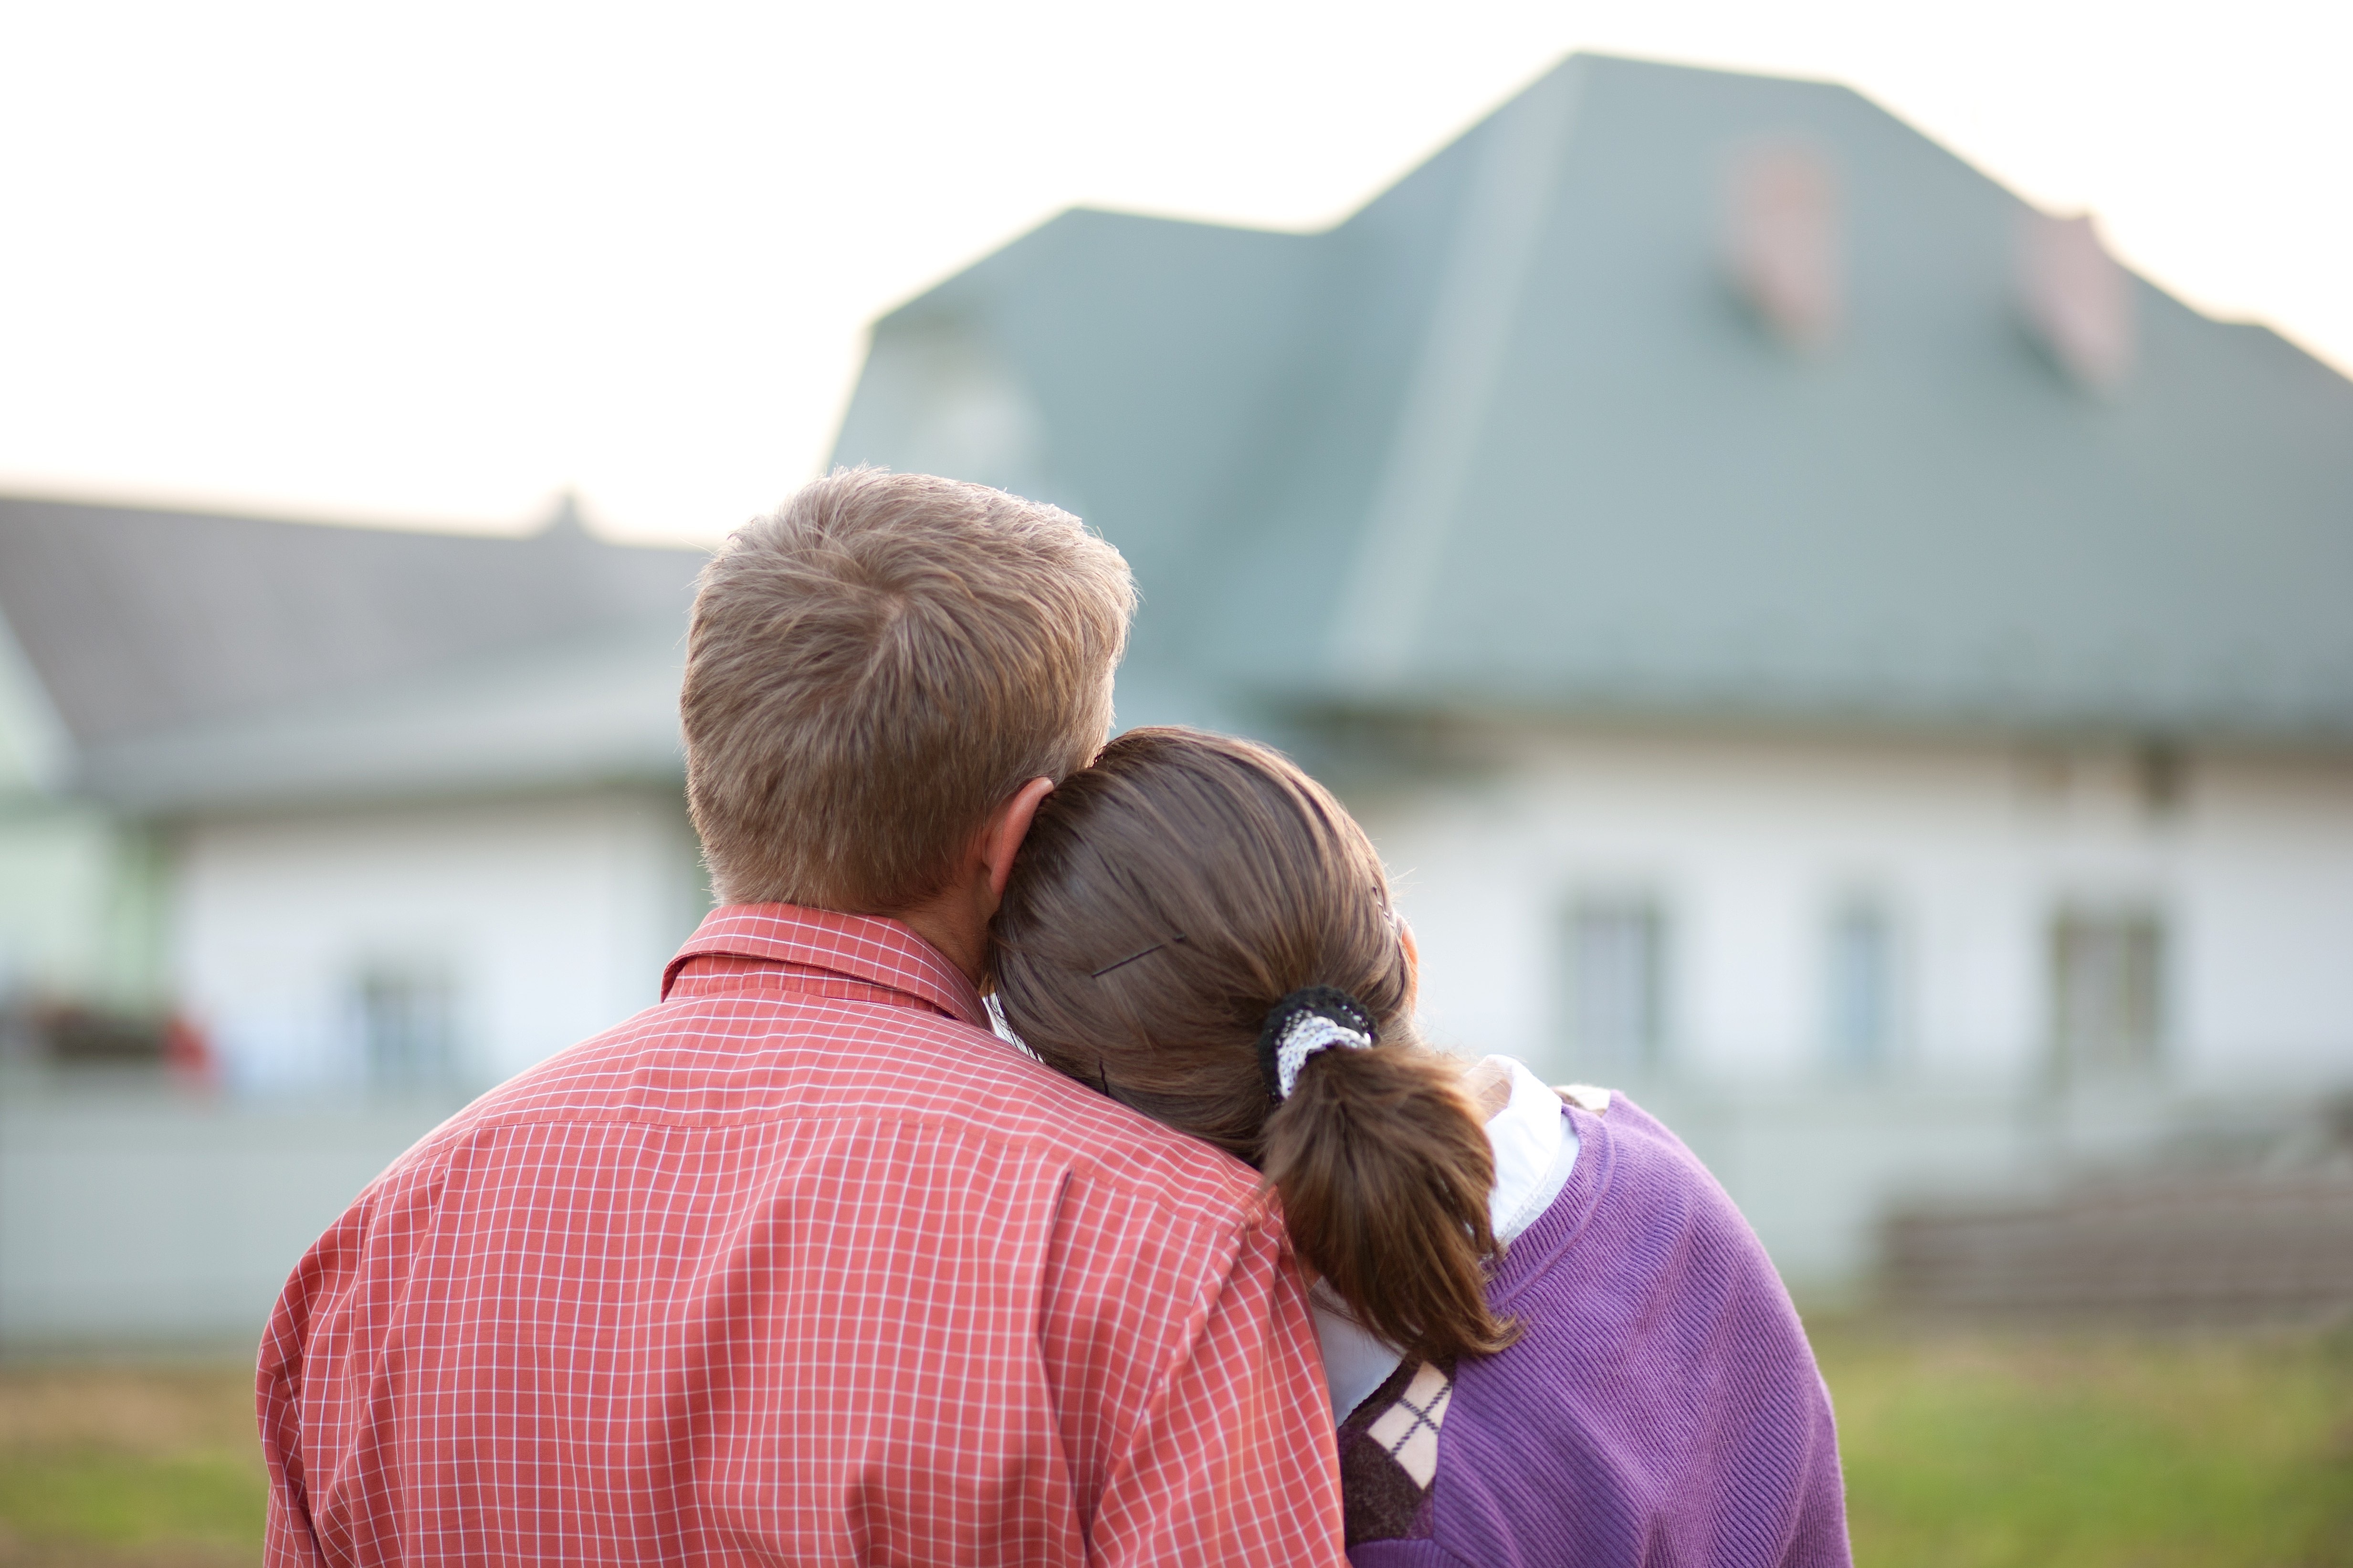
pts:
[137, 1212]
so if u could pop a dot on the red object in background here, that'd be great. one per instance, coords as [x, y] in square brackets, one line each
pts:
[188, 1053]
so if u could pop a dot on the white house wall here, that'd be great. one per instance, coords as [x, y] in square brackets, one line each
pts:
[1747, 845]
[2268, 957]
[551, 916]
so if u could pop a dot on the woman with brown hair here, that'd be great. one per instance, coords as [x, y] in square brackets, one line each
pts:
[1549, 1336]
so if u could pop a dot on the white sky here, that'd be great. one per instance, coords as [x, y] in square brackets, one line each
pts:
[433, 262]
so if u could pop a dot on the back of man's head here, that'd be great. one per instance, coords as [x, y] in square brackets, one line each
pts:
[875, 669]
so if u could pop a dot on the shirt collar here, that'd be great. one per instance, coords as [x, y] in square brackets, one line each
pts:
[1530, 1137]
[872, 948]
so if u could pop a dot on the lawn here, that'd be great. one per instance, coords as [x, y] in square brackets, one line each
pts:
[154, 1467]
[2084, 1452]
[1962, 1451]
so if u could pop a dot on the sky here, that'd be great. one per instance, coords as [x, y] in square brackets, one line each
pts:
[433, 264]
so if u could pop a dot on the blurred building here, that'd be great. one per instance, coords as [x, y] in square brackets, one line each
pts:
[361, 804]
[348, 823]
[1821, 644]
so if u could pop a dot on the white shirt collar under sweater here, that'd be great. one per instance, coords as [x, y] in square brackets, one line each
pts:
[1536, 1149]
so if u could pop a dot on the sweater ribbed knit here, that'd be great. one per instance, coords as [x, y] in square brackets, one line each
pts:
[1661, 1406]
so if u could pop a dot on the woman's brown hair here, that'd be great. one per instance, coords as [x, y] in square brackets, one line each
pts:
[1168, 898]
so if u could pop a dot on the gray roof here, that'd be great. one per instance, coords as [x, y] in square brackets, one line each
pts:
[601, 707]
[198, 660]
[1506, 439]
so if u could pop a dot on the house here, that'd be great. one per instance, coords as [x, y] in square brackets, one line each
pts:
[369, 818]
[1824, 646]
[364, 806]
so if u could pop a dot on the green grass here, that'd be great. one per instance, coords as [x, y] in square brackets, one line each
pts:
[1962, 1451]
[1965, 1452]
[149, 1467]
[118, 1500]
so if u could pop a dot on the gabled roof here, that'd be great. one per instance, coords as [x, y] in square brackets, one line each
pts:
[195, 658]
[1506, 437]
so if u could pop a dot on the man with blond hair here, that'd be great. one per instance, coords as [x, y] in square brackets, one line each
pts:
[804, 1264]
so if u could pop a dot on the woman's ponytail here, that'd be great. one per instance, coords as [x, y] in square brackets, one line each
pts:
[1177, 906]
[1384, 1172]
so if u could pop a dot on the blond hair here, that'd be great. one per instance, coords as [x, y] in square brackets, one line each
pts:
[875, 668]
[1166, 900]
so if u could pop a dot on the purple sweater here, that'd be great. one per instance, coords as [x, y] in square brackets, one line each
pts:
[1661, 1406]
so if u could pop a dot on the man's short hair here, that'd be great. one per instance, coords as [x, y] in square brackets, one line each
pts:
[876, 667]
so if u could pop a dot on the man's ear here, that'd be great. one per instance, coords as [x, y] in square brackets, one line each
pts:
[1002, 838]
[1412, 963]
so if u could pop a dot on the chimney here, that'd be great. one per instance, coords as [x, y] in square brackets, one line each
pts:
[2077, 300]
[1785, 247]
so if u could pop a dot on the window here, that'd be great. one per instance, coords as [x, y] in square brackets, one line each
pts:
[1859, 1003]
[408, 1027]
[2108, 990]
[1616, 985]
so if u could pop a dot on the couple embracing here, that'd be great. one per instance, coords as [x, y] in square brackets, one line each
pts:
[1197, 1256]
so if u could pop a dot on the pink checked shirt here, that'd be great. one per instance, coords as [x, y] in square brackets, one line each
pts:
[805, 1265]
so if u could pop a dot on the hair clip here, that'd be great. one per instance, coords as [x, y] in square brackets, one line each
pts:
[1131, 957]
[1309, 1020]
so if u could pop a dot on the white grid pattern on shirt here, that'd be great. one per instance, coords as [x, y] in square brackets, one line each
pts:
[801, 1264]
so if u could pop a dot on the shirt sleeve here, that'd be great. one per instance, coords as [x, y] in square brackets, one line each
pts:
[1233, 1462]
[290, 1541]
